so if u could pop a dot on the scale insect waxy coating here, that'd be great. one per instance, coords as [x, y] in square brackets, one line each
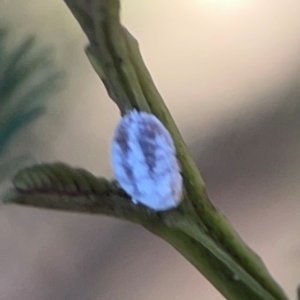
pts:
[144, 161]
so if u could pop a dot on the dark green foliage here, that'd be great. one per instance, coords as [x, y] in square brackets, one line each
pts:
[27, 78]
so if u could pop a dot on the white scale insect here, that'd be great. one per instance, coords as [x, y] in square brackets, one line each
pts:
[144, 161]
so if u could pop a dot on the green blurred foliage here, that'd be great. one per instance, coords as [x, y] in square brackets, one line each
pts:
[28, 76]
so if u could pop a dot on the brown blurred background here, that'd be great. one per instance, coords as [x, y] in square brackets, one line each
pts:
[229, 72]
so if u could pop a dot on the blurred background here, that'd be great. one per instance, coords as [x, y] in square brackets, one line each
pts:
[229, 71]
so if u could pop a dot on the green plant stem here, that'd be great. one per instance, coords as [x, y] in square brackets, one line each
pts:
[215, 222]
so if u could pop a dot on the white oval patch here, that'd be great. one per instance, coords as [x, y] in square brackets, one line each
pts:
[144, 161]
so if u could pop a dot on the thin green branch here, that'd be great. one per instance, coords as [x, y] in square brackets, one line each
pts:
[113, 47]
[215, 222]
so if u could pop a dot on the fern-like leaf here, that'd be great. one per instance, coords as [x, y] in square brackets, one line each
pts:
[59, 178]
[58, 186]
